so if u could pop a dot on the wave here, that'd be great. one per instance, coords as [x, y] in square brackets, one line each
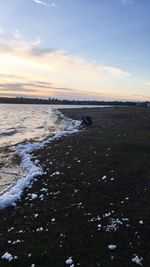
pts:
[29, 167]
[9, 132]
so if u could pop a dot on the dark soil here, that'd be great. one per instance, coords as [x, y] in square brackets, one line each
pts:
[98, 196]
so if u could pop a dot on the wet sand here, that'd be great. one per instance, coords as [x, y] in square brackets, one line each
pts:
[95, 193]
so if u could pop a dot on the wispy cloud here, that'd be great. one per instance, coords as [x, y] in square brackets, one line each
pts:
[32, 88]
[14, 88]
[54, 5]
[41, 2]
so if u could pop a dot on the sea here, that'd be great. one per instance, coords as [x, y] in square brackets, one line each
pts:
[24, 128]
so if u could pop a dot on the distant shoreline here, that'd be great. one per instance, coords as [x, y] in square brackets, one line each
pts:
[53, 101]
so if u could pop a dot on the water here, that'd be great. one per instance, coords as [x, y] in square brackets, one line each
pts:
[20, 123]
[23, 124]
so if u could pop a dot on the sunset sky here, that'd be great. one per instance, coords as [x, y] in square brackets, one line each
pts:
[75, 49]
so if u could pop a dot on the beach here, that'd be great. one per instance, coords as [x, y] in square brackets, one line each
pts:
[91, 206]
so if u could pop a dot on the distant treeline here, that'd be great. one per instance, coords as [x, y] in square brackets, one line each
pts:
[22, 100]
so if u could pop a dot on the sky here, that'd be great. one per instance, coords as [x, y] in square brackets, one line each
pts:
[75, 49]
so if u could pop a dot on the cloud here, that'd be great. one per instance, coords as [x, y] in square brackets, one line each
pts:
[41, 2]
[54, 5]
[65, 62]
[14, 88]
[58, 60]
[147, 83]
[32, 68]
[30, 87]
[39, 51]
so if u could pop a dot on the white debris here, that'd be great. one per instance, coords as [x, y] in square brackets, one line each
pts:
[55, 173]
[94, 219]
[33, 196]
[12, 228]
[125, 219]
[112, 247]
[69, 261]
[36, 162]
[104, 178]
[39, 229]
[44, 190]
[17, 242]
[106, 215]
[141, 222]
[21, 231]
[99, 226]
[76, 190]
[114, 225]
[36, 215]
[53, 220]
[137, 260]
[7, 256]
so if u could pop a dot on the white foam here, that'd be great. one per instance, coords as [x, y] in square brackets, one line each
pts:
[112, 247]
[69, 261]
[137, 260]
[7, 256]
[24, 151]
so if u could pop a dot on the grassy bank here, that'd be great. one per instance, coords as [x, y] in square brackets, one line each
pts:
[95, 193]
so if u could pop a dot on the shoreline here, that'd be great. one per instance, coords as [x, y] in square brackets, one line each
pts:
[90, 206]
[9, 196]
